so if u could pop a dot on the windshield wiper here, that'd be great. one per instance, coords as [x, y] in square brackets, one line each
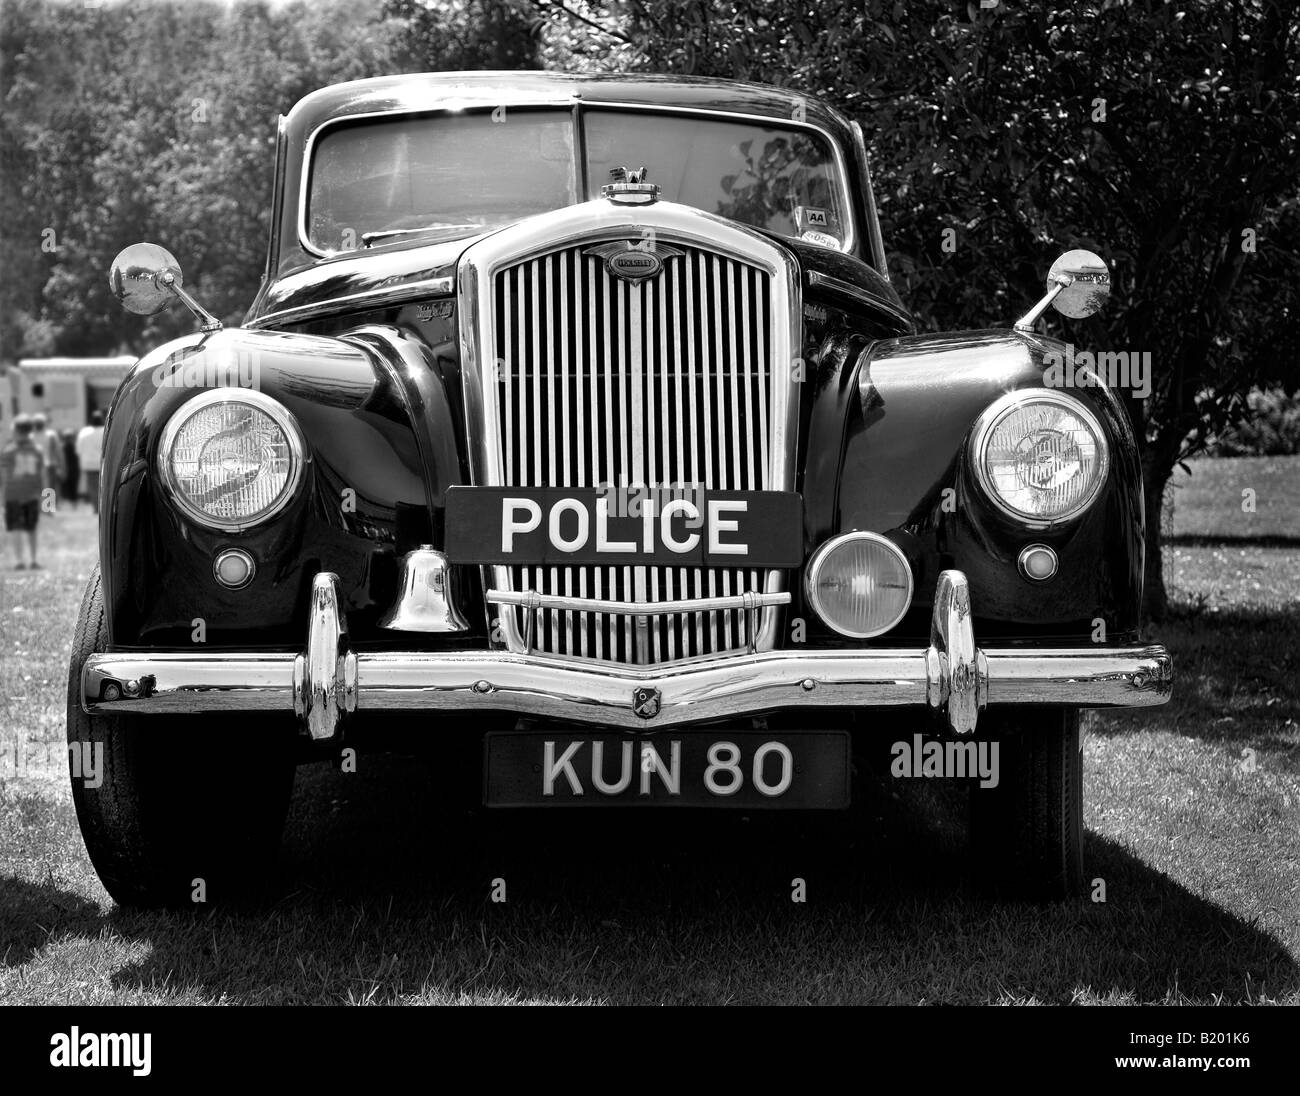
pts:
[368, 238]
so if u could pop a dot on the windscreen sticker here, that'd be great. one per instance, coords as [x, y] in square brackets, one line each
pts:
[824, 239]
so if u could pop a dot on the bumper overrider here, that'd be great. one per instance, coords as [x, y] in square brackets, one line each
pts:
[328, 681]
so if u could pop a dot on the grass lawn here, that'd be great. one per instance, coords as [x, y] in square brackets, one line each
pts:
[1193, 812]
[1208, 499]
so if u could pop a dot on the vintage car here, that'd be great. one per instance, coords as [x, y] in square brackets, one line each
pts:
[577, 428]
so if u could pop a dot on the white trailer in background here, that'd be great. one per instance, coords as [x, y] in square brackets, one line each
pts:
[66, 389]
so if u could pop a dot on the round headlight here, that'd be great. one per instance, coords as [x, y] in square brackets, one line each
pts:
[1040, 456]
[231, 458]
[860, 584]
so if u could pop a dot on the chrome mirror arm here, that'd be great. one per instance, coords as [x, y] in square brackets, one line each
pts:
[1027, 321]
[207, 321]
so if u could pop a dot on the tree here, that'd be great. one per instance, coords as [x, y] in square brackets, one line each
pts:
[151, 121]
[156, 120]
[1166, 138]
[443, 35]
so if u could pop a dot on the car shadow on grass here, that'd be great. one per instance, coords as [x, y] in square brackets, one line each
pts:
[1237, 682]
[32, 914]
[387, 892]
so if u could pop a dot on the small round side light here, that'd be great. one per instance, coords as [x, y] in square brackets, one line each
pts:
[233, 568]
[1038, 562]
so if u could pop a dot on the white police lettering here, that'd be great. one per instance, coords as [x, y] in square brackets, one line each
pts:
[718, 525]
[569, 527]
[566, 506]
[678, 506]
[509, 527]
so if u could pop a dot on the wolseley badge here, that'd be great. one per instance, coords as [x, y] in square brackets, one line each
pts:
[428, 310]
[645, 702]
[635, 260]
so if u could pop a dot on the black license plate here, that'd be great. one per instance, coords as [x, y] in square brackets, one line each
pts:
[754, 770]
[663, 525]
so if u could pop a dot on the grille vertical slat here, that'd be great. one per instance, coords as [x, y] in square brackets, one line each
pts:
[761, 360]
[663, 383]
[748, 365]
[507, 388]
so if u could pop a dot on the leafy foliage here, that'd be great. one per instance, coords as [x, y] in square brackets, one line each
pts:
[1270, 427]
[1165, 137]
[150, 121]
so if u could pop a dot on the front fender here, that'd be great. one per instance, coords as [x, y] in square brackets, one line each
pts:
[373, 486]
[906, 418]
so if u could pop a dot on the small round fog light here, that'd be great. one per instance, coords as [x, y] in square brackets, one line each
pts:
[1038, 562]
[233, 568]
[860, 584]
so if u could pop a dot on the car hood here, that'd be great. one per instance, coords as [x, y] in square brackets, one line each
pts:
[379, 277]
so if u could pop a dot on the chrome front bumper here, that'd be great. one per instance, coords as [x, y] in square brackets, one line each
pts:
[328, 681]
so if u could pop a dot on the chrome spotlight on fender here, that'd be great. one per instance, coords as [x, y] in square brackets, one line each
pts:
[425, 602]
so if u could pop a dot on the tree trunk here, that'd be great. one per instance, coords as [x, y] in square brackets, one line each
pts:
[1155, 599]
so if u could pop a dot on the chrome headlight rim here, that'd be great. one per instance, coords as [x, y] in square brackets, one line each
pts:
[999, 409]
[818, 560]
[273, 409]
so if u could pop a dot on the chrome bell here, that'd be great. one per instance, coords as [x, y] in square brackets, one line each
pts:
[424, 601]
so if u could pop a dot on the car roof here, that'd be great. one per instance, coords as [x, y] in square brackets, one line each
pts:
[443, 90]
[433, 91]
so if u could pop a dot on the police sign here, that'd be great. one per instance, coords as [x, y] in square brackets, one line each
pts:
[578, 525]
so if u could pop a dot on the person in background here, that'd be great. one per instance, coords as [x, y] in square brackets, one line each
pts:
[48, 440]
[71, 468]
[22, 479]
[90, 441]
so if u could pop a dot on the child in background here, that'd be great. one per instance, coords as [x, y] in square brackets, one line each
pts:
[22, 479]
[51, 448]
[71, 469]
[90, 443]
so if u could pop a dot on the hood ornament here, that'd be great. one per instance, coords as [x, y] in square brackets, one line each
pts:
[629, 187]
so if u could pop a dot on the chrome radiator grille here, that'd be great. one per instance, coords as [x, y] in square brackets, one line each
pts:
[601, 382]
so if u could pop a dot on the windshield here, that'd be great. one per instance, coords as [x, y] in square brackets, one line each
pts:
[453, 174]
[783, 180]
[457, 174]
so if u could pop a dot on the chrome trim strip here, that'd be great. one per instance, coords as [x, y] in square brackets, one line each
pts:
[570, 101]
[1003, 406]
[327, 682]
[299, 454]
[374, 298]
[601, 693]
[531, 599]
[878, 258]
[838, 287]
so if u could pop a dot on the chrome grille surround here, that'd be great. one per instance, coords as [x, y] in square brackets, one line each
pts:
[762, 283]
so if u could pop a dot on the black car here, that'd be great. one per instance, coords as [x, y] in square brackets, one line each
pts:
[576, 419]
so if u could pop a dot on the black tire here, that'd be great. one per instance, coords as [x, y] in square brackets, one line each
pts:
[1027, 832]
[179, 798]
